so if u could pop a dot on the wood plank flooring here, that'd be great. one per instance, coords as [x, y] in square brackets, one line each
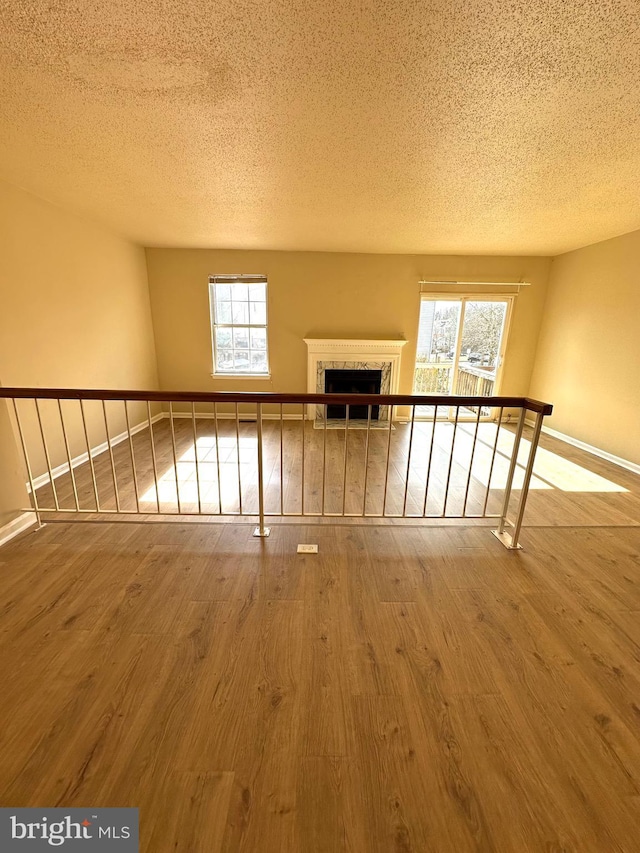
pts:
[407, 689]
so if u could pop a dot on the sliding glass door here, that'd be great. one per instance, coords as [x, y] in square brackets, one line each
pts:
[461, 342]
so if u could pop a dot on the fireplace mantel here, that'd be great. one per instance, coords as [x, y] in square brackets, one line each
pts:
[351, 354]
[353, 348]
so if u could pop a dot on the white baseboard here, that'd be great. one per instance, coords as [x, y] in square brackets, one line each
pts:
[43, 479]
[589, 448]
[18, 525]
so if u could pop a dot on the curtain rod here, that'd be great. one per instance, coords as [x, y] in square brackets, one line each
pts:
[249, 277]
[483, 283]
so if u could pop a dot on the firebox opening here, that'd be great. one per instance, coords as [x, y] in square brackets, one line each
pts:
[352, 382]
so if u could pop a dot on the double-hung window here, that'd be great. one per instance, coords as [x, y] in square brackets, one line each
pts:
[239, 324]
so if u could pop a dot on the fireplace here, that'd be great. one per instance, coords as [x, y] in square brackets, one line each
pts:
[349, 357]
[352, 382]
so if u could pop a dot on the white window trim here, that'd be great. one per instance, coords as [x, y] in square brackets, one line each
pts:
[231, 279]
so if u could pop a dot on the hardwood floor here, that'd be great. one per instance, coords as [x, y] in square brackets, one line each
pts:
[407, 689]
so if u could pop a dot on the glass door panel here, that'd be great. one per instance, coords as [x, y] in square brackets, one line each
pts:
[460, 350]
[483, 325]
[437, 345]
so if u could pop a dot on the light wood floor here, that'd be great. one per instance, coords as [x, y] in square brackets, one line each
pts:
[407, 689]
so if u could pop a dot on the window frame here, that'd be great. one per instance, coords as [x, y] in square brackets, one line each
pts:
[464, 296]
[231, 280]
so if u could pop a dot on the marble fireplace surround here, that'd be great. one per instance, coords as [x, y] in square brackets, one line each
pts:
[348, 354]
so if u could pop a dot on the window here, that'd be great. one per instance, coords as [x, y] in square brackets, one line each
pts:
[461, 344]
[239, 324]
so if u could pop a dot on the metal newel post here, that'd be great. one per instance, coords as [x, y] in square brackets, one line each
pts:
[261, 530]
[32, 489]
[527, 479]
[500, 532]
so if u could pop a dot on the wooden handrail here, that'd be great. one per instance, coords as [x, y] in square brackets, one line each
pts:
[267, 397]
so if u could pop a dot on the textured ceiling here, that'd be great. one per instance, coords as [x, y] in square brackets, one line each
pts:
[394, 126]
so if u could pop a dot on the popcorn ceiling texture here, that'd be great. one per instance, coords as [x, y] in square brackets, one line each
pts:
[451, 126]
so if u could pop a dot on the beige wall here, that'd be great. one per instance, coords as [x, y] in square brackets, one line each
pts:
[588, 356]
[314, 294]
[74, 311]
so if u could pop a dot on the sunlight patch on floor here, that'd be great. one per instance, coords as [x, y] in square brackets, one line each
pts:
[209, 461]
[549, 471]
